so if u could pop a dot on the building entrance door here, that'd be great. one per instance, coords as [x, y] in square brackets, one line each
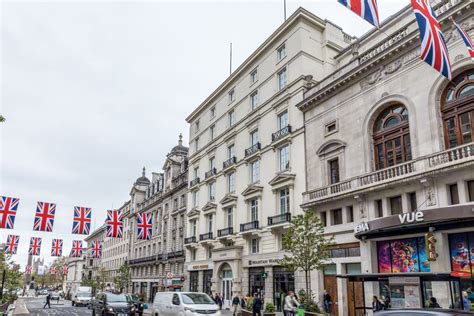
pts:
[330, 284]
[227, 292]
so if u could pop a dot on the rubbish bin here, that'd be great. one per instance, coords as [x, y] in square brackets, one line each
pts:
[300, 310]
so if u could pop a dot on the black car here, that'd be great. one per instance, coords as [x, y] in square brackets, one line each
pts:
[110, 304]
[139, 305]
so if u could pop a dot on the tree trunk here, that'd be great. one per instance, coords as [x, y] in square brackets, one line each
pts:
[306, 272]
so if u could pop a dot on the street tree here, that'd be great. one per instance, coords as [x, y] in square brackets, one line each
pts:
[123, 279]
[306, 246]
[11, 276]
[2, 119]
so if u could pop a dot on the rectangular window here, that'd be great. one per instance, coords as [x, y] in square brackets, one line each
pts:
[212, 163]
[212, 191]
[283, 120]
[284, 201]
[209, 252]
[254, 245]
[231, 118]
[211, 132]
[350, 214]
[210, 222]
[284, 159]
[195, 198]
[196, 144]
[282, 79]
[254, 76]
[412, 201]
[230, 151]
[330, 128]
[196, 125]
[281, 52]
[254, 100]
[196, 172]
[337, 217]
[212, 112]
[255, 171]
[231, 182]
[254, 138]
[231, 95]
[254, 210]
[229, 217]
[470, 190]
[193, 228]
[324, 221]
[378, 208]
[453, 194]
[193, 256]
[396, 205]
[333, 171]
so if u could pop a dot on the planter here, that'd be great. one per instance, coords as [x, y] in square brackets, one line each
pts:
[312, 314]
[269, 314]
[249, 313]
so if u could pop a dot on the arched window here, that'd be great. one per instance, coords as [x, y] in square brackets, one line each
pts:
[391, 135]
[457, 110]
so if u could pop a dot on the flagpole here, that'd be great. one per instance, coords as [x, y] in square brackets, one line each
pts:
[284, 9]
[230, 64]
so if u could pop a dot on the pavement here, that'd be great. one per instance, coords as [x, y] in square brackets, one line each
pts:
[33, 306]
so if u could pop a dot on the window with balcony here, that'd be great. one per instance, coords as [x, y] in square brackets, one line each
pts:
[391, 137]
[254, 100]
[230, 151]
[254, 210]
[196, 173]
[453, 194]
[284, 201]
[254, 76]
[211, 132]
[193, 228]
[282, 79]
[231, 118]
[229, 217]
[231, 182]
[396, 205]
[281, 52]
[254, 245]
[210, 223]
[212, 163]
[255, 171]
[337, 216]
[283, 120]
[284, 158]
[254, 137]
[457, 110]
[333, 165]
[212, 191]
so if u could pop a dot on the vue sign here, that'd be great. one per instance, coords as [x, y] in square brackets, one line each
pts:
[411, 217]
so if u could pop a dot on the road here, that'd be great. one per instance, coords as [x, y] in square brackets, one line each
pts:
[35, 307]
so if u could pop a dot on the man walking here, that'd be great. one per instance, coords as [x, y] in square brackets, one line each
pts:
[48, 301]
[257, 305]
[236, 304]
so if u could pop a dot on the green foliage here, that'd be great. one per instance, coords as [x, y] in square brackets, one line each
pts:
[308, 301]
[306, 245]
[96, 283]
[2, 119]
[269, 308]
[249, 305]
[13, 277]
[123, 279]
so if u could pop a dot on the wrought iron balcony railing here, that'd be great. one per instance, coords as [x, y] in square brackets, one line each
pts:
[249, 226]
[229, 162]
[252, 149]
[190, 240]
[210, 173]
[194, 182]
[225, 232]
[281, 133]
[206, 236]
[279, 219]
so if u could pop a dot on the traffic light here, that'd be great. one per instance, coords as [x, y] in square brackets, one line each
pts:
[430, 242]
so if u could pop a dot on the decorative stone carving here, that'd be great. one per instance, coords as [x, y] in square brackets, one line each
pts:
[362, 204]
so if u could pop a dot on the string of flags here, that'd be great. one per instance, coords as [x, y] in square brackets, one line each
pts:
[433, 45]
[52, 269]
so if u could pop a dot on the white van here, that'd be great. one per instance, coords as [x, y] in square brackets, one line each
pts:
[184, 304]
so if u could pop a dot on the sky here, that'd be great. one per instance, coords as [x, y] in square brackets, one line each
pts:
[93, 91]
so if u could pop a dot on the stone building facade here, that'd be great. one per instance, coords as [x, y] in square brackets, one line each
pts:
[158, 264]
[246, 166]
[93, 266]
[390, 158]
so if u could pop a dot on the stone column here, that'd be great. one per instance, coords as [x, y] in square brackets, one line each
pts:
[269, 295]
[341, 289]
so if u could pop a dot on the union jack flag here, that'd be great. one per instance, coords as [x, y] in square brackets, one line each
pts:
[57, 248]
[433, 47]
[366, 9]
[28, 269]
[144, 226]
[52, 270]
[65, 269]
[466, 39]
[76, 250]
[8, 207]
[12, 244]
[35, 246]
[44, 217]
[114, 224]
[82, 220]
[96, 249]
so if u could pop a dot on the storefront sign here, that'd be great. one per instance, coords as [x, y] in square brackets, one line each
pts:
[263, 262]
[362, 227]
[197, 267]
[411, 217]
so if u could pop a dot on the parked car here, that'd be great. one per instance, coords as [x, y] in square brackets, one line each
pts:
[108, 304]
[55, 296]
[183, 303]
[138, 303]
[423, 312]
[82, 296]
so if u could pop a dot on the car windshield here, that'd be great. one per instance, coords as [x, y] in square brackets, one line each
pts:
[117, 298]
[83, 294]
[196, 298]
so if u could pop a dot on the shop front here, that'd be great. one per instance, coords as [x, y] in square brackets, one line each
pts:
[207, 281]
[283, 281]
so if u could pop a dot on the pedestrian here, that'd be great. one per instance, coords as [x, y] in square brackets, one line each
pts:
[48, 301]
[290, 304]
[257, 305]
[236, 304]
[465, 301]
[218, 300]
[387, 302]
[433, 303]
[243, 303]
[221, 300]
[376, 304]
[327, 301]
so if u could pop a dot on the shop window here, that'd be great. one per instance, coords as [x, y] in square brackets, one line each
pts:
[412, 201]
[453, 194]
[353, 268]
[378, 208]
[337, 216]
[193, 281]
[350, 214]
[396, 205]
[323, 219]
[457, 110]
[403, 255]
[391, 136]
[470, 190]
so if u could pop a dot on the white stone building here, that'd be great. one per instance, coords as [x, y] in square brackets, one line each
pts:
[246, 164]
[75, 274]
[389, 158]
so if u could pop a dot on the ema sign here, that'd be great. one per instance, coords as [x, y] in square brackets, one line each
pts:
[411, 217]
[362, 227]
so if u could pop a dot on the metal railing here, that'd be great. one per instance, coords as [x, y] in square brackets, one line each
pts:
[279, 219]
[210, 173]
[225, 232]
[229, 162]
[253, 149]
[249, 226]
[190, 240]
[281, 133]
[206, 236]
[194, 182]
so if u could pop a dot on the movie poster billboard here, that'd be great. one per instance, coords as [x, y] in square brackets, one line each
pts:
[402, 255]
[461, 248]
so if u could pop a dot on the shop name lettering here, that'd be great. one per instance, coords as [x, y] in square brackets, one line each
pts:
[411, 217]
[264, 261]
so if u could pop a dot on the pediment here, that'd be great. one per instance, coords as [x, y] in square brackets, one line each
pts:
[282, 178]
[193, 212]
[252, 189]
[228, 199]
[209, 206]
[330, 146]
